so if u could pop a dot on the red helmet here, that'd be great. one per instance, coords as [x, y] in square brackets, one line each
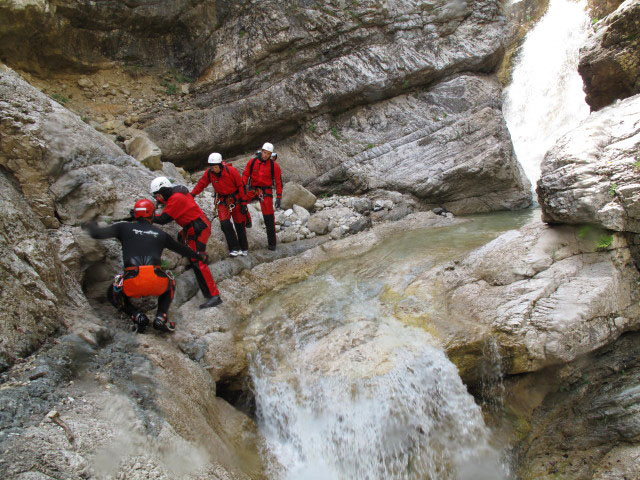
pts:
[143, 208]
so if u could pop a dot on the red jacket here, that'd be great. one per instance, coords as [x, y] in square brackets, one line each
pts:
[182, 208]
[260, 173]
[228, 182]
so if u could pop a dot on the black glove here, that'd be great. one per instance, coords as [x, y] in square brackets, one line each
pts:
[244, 209]
[202, 257]
[277, 203]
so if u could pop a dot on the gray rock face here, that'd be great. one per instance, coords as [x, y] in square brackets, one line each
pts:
[32, 278]
[545, 294]
[304, 60]
[610, 61]
[80, 36]
[448, 146]
[67, 171]
[589, 424]
[591, 174]
[294, 194]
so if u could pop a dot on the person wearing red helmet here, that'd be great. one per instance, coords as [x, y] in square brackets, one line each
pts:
[230, 201]
[260, 175]
[179, 206]
[142, 246]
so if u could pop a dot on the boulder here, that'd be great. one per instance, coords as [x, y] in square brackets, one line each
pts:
[294, 194]
[362, 205]
[610, 61]
[360, 225]
[318, 224]
[302, 213]
[145, 151]
[591, 174]
[545, 295]
[288, 236]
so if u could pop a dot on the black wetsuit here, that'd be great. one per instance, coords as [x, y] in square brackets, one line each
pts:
[142, 244]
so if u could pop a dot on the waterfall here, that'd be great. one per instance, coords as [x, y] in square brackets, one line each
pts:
[344, 390]
[545, 99]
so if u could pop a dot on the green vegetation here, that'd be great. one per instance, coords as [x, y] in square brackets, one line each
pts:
[604, 242]
[584, 231]
[242, 33]
[370, 146]
[174, 106]
[405, 83]
[312, 127]
[595, 20]
[636, 164]
[613, 189]
[59, 98]
[182, 78]
[171, 88]
[334, 132]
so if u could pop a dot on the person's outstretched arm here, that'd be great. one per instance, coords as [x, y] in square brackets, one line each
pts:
[92, 228]
[202, 183]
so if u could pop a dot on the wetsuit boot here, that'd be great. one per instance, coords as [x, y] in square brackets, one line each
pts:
[212, 302]
[270, 225]
[161, 323]
[140, 323]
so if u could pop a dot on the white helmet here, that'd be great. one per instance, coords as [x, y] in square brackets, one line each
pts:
[268, 147]
[158, 183]
[215, 158]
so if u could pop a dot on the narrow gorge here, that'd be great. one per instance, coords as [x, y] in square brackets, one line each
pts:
[455, 290]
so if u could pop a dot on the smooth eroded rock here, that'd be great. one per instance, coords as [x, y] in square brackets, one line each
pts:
[591, 175]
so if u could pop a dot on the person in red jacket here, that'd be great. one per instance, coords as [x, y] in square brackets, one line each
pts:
[260, 175]
[230, 201]
[179, 206]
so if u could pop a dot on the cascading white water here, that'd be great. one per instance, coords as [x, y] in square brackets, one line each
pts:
[545, 99]
[345, 391]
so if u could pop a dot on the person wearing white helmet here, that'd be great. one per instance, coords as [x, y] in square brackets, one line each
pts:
[230, 201]
[260, 176]
[179, 206]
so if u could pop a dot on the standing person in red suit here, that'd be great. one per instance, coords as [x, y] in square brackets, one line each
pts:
[260, 175]
[230, 201]
[179, 206]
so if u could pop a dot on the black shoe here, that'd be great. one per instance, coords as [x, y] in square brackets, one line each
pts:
[140, 322]
[271, 247]
[212, 302]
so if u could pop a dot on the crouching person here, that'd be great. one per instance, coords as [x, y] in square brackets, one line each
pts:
[142, 246]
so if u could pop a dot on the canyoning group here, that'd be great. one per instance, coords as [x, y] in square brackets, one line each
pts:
[143, 243]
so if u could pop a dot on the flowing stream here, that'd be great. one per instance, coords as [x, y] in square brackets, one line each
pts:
[545, 99]
[345, 391]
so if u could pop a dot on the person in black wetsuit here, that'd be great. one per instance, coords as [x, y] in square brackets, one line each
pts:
[142, 246]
